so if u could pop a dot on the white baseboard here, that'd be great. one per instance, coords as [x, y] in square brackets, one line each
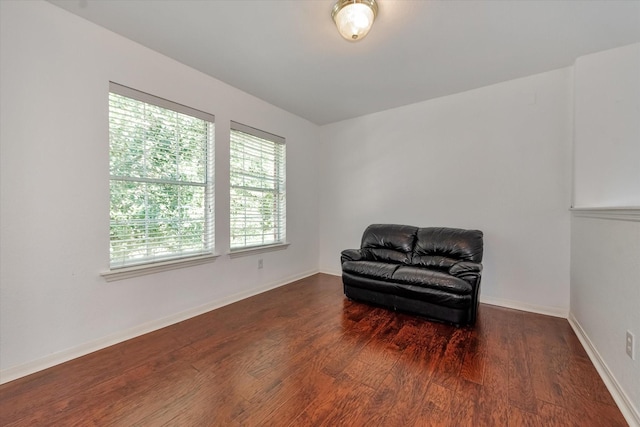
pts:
[518, 305]
[630, 413]
[29, 368]
[330, 272]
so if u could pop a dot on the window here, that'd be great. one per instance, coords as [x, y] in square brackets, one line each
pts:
[258, 206]
[161, 179]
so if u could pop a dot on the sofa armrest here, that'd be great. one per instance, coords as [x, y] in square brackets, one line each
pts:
[351, 255]
[464, 268]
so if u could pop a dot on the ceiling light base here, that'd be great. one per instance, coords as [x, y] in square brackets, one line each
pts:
[354, 18]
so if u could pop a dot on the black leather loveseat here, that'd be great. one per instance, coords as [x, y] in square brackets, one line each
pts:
[431, 272]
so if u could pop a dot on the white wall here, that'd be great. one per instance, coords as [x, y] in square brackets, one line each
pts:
[605, 244]
[55, 72]
[605, 295]
[496, 159]
[607, 128]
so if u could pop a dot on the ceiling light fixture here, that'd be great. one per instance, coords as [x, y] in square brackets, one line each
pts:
[354, 18]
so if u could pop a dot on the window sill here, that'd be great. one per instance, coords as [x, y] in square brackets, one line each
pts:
[144, 269]
[257, 250]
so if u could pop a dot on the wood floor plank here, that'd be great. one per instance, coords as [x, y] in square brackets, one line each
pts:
[520, 383]
[298, 392]
[206, 401]
[356, 336]
[448, 371]
[68, 379]
[342, 407]
[472, 368]
[494, 399]
[466, 408]
[303, 355]
[411, 333]
[582, 379]
[120, 391]
[400, 411]
[436, 410]
[590, 413]
[549, 415]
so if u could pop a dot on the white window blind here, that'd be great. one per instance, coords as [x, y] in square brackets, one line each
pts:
[161, 179]
[258, 202]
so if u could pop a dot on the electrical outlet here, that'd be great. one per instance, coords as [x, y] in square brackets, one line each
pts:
[630, 345]
[260, 263]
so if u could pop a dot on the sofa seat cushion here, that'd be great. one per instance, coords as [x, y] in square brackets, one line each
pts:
[375, 269]
[431, 279]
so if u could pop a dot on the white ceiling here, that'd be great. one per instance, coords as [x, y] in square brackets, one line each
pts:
[289, 53]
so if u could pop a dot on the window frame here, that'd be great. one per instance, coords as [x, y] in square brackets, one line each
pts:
[131, 268]
[279, 191]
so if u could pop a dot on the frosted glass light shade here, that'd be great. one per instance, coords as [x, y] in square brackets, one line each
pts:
[354, 18]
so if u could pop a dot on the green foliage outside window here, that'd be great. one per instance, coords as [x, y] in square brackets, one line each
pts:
[257, 191]
[160, 191]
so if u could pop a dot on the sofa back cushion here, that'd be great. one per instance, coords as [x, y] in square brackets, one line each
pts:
[443, 247]
[388, 243]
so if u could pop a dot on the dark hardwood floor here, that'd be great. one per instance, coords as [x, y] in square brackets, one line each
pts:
[303, 355]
